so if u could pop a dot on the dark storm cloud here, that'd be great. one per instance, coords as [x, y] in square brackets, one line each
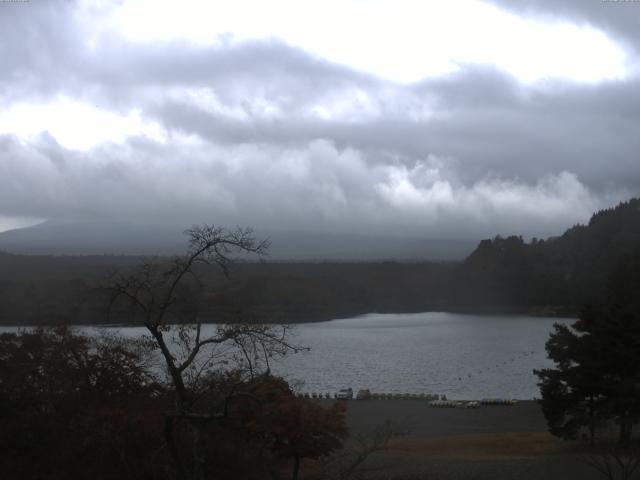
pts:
[262, 133]
[315, 186]
[485, 120]
[619, 19]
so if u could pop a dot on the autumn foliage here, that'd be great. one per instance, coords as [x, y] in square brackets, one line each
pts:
[73, 406]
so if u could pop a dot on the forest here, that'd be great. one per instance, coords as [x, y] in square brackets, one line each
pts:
[553, 276]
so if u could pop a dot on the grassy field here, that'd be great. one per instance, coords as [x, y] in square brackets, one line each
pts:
[491, 442]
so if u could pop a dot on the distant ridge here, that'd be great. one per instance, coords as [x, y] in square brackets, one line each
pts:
[567, 270]
[90, 238]
[556, 276]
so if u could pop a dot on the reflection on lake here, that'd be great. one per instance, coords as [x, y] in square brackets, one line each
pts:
[461, 356]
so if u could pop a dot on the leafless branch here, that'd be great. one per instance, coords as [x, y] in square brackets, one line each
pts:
[614, 462]
[350, 463]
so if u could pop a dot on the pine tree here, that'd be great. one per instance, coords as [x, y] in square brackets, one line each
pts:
[597, 374]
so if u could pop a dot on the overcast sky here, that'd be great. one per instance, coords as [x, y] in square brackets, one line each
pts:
[455, 118]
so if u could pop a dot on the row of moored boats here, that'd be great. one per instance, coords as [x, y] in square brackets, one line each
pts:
[434, 399]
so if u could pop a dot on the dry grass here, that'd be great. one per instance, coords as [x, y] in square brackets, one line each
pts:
[490, 446]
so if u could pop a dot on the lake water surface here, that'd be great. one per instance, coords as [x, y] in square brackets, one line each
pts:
[461, 356]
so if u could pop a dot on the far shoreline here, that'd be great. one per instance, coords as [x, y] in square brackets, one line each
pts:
[565, 313]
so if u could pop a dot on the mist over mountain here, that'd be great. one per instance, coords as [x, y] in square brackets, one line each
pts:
[554, 276]
[99, 238]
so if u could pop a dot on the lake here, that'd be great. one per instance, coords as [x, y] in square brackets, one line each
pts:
[460, 356]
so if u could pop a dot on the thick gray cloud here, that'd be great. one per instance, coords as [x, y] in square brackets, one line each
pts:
[260, 133]
[314, 186]
[618, 18]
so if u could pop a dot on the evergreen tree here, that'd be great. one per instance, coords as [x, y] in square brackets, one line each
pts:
[597, 374]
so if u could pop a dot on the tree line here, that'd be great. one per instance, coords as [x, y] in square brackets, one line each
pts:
[555, 276]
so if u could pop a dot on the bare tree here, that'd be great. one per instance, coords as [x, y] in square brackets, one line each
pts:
[353, 462]
[164, 297]
[613, 461]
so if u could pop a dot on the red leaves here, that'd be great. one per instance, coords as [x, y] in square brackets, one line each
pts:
[297, 427]
[70, 404]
